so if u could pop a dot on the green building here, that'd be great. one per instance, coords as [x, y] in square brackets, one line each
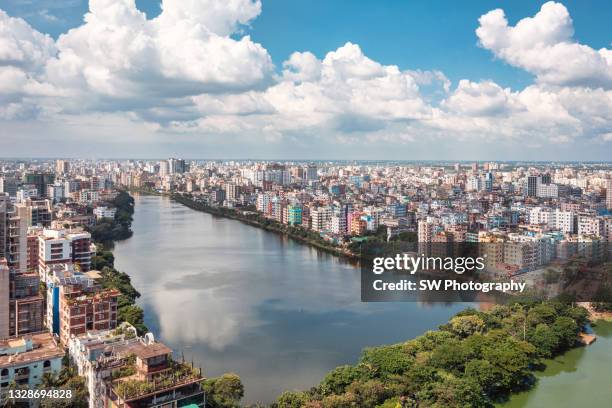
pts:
[294, 216]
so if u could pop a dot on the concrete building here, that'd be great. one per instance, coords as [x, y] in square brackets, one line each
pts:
[4, 298]
[84, 307]
[320, 218]
[294, 215]
[26, 304]
[57, 246]
[609, 194]
[104, 212]
[24, 360]
[125, 371]
[58, 276]
[62, 167]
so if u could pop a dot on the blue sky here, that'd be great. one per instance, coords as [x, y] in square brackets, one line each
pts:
[414, 35]
[432, 34]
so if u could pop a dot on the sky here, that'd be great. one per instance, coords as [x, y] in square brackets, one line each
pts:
[477, 80]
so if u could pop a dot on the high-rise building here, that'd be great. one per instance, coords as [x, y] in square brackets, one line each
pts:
[62, 167]
[532, 185]
[176, 166]
[26, 304]
[17, 238]
[5, 203]
[57, 246]
[489, 180]
[609, 194]
[8, 185]
[4, 298]
[164, 168]
[294, 215]
[40, 181]
[320, 218]
[231, 191]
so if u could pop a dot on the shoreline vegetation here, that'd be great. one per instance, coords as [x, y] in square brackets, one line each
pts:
[250, 216]
[254, 219]
[104, 235]
[477, 359]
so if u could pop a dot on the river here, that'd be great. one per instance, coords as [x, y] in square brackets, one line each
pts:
[234, 298]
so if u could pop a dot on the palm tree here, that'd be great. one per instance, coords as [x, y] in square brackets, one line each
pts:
[49, 380]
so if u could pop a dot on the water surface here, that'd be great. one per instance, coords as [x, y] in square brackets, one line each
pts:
[234, 298]
[579, 378]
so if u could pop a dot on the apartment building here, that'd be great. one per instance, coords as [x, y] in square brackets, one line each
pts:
[125, 371]
[26, 304]
[83, 308]
[24, 360]
[57, 246]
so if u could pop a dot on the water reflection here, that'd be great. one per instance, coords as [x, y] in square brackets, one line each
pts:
[236, 298]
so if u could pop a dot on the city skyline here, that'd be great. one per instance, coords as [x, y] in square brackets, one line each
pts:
[520, 81]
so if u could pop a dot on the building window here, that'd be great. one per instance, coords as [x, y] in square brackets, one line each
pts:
[4, 372]
[46, 364]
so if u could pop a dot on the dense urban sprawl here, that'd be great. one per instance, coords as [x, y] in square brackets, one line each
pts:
[62, 298]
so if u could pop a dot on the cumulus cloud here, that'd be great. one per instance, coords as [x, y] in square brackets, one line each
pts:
[22, 46]
[118, 58]
[543, 45]
[192, 70]
[481, 99]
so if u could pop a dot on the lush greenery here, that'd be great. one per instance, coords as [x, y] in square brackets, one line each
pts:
[67, 379]
[104, 261]
[474, 360]
[177, 374]
[223, 392]
[108, 230]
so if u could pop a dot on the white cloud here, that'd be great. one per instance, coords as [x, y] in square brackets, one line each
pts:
[543, 45]
[21, 45]
[120, 60]
[481, 99]
[190, 71]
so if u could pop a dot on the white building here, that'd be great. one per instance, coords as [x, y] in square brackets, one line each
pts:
[338, 225]
[104, 212]
[24, 360]
[320, 218]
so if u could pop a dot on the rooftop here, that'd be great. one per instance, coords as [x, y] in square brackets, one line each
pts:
[15, 351]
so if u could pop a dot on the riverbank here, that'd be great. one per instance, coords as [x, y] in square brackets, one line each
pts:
[104, 235]
[254, 219]
[477, 359]
[603, 315]
[580, 373]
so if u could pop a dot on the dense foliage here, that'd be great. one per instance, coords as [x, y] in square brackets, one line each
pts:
[68, 379]
[223, 392]
[104, 234]
[108, 230]
[474, 360]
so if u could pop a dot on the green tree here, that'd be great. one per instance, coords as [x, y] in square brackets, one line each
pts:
[464, 326]
[224, 392]
[292, 399]
[387, 360]
[336, 381]
[566, 330]
[545, 340]
[369, 393]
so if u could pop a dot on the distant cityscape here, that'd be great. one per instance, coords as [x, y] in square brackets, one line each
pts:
[59, 294]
